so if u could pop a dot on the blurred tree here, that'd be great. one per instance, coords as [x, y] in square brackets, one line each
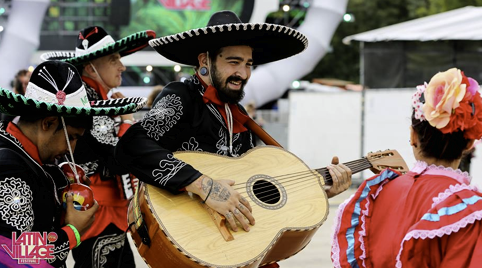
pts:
[343, 60]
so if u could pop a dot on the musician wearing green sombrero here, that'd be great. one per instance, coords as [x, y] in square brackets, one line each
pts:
[99, 58]
[54, 113]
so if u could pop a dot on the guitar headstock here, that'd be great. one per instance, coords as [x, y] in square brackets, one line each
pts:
[386, 159]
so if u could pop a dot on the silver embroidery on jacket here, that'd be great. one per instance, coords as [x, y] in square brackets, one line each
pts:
[103, 130]
[168, 168]
[103, 246]
[191, 145]
[163, 116]
[16, 204]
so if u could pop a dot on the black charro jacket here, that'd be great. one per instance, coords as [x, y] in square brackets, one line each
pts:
[30, 196]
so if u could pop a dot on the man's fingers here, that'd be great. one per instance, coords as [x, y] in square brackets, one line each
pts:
[230, 217]
[245, 202]
[247, 213]
[69, 200]
[240, 216]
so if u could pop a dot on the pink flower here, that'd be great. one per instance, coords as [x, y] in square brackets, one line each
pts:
[474, 86]
[442, 95]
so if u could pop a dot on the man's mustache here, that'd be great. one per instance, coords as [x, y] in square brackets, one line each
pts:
[236, 78]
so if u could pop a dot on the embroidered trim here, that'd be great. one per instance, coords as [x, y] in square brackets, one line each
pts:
[450, 191]
[16, 203]
[103, 246]
[445, 230]
[335, 247]
[459, 175]
[60, 252]
[168, 168]
[191, 145]
[163, 116]
[103, 130]
[228, 27]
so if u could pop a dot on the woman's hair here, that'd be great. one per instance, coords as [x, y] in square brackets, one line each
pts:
[434, 144]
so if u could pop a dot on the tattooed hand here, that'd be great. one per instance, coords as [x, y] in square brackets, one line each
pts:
[220, 196]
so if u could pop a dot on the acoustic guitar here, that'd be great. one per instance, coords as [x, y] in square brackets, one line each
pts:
[288, 200]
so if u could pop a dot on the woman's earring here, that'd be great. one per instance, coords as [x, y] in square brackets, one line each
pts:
[203, 71]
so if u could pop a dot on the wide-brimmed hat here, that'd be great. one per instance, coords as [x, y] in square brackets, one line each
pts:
[94, 42]
[56, 89]
[270, 42]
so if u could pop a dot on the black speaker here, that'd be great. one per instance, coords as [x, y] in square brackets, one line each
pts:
[120, 12]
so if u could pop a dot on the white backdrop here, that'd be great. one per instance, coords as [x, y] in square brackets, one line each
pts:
[325, 124]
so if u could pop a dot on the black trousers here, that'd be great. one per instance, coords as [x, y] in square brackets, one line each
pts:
[110, 249]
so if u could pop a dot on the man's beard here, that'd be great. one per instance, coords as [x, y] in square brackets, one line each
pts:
[225, 94]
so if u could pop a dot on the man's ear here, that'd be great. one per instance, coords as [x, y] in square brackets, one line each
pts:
[88, 70]
[49, 122]
[202, 59]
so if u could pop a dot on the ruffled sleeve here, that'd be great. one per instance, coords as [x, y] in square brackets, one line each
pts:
[448, 235]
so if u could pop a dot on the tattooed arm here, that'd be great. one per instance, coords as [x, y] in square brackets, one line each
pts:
[220, 196]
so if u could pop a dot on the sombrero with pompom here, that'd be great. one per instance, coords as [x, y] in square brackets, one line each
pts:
[56, 89]
[94, 42]
[270, 42]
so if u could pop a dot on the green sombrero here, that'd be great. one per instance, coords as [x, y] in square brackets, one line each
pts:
[94, 42]
[56, 89]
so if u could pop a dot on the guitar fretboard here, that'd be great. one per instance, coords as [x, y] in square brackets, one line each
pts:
[355, 166]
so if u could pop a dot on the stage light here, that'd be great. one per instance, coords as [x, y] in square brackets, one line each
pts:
[177, 68]
[286, 8]
[146, 79]
[296, 84]
[149, 68]
[1, 29]
[30, 68]
[2, 10]
[348, 17]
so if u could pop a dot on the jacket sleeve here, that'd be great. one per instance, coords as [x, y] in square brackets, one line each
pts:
[142, 149]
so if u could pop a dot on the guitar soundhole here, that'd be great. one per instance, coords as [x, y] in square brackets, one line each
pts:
[266, 192]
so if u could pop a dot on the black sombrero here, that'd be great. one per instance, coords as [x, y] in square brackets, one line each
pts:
[56, 88]
[270, 42]
[94, 42]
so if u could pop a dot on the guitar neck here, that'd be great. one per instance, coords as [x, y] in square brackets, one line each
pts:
[355, 166]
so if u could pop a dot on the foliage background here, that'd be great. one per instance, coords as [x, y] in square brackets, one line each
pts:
[343, 61]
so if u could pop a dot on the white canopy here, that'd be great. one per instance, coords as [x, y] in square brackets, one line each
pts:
[458, 24]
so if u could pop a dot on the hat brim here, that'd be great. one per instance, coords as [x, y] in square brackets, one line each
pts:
[270, 42]
[124, 47]
[17, 104]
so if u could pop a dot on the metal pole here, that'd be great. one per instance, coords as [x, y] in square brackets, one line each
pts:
[363, 94]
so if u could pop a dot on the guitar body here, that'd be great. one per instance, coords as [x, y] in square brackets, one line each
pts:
[288, 210]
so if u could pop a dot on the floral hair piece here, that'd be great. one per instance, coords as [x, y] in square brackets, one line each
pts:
[450, 102]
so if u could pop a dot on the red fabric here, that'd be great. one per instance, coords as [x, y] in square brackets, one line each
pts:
[27, 144]
[239, 118]
[112, 206]
[122, 129]
[96, 86]
[396, 211]
[70, 233]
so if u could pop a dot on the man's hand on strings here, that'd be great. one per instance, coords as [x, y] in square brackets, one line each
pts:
[223, 198]
[341, 176]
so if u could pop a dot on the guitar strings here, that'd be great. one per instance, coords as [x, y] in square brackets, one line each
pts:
[299, 185]
[299, 176]
[358, 166]
[352, 164]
